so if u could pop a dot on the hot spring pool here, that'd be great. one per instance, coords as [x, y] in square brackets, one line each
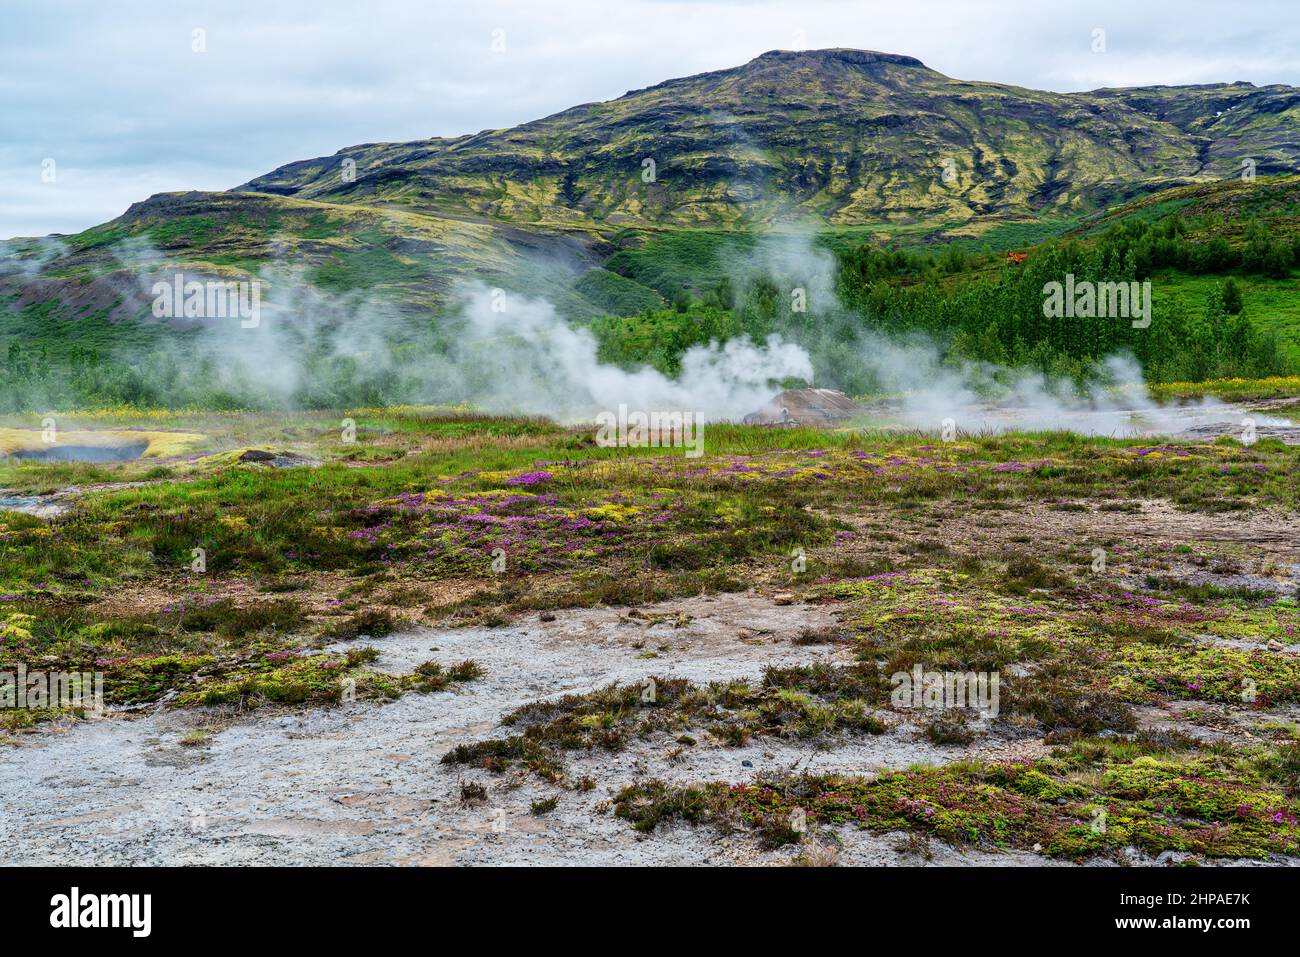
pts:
[82, 453]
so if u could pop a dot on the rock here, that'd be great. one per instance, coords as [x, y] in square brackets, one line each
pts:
[279, 460]
[783, 598]
[805, 407]
[1274, 645]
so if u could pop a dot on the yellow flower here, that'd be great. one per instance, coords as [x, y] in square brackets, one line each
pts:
[612, 512]
[16, 625]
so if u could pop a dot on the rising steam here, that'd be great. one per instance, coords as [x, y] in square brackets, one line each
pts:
[506, 352]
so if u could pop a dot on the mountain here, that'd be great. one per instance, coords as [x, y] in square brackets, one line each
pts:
[851, 137]
[865, 145]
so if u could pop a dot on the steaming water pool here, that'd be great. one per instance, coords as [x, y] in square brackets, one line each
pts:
[83, 453]
[1199, 421]
[40, 506]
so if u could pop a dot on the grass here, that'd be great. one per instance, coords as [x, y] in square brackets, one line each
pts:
[679, 259]
[450, 498]
[617, 295]
[1229, 389]
[1272, 304]
[368, 265]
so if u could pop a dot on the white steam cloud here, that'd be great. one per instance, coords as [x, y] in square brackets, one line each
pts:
[541, 364]
[929, 390]
[506, 352]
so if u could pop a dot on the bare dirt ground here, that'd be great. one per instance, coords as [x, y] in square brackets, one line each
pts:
[1258, 550]
[361, 783]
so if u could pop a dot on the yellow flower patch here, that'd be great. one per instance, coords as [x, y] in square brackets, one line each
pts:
[612, 512]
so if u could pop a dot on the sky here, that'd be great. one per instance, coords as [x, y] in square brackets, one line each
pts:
[106, 102]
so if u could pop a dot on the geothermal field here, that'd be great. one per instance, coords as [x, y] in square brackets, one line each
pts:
[673, 433]
[424, 636]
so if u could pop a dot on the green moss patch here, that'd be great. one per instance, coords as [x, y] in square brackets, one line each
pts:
[1179, 801]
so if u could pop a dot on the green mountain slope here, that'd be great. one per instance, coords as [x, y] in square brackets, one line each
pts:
[847, 136]
[401, 256]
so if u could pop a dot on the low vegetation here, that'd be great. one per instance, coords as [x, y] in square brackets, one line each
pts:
[973, 555]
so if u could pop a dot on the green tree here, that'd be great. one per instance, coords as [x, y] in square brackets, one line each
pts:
[1231, 297]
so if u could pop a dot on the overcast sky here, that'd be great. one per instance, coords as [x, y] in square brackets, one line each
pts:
[115, 94]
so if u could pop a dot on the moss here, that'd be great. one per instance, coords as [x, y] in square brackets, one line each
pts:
[1257, 678]
[321, 679]
[1154, 804]
[806, 703]
[144, 679]
[544, 806]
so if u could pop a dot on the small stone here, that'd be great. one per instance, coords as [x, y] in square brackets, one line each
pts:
[1274, 645]
[746, 764]
[783, 598]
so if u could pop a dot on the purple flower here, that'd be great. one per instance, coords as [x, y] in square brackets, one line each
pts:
[529, 478]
